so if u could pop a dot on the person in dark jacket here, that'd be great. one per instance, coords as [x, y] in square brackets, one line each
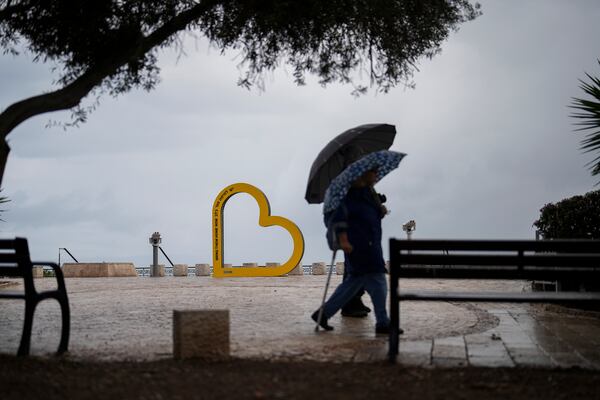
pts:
[357, 224]
[354, 307]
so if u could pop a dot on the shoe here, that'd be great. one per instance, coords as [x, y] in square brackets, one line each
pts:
[362, 307]
[385, 330]
[354, 313]
[323, 324]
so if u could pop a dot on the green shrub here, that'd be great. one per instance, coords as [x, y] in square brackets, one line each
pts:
[577, 217]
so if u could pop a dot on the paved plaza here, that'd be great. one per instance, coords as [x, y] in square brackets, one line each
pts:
[131, 319]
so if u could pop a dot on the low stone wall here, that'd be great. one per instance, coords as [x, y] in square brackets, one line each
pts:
[98, 270]
[317, 268]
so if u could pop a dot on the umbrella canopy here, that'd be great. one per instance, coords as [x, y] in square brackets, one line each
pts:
[384, 161]
[343, 150]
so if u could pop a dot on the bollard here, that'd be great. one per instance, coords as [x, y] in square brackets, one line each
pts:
[202, 269]
[298, 270]
[250, 264]
[38, 272]
[157, 271]
[201, 334]
[318, 268]
[180, 270]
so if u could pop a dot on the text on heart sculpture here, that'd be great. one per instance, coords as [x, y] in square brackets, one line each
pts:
[265, 219]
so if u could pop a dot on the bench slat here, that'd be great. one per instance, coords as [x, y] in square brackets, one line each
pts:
[10, 271]
[521, 297]
[11, 295]
[7, 244]
[583, 246]
[542, 260]
[6, 258]
[497, 272]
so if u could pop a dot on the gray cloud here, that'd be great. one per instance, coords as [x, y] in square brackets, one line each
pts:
[487, 133]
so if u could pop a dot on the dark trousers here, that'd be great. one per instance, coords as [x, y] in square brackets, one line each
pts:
[355, 302]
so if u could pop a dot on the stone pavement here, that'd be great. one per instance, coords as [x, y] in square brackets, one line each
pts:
[131, 319]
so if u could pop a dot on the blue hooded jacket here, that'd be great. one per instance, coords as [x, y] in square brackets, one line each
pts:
[359, 215]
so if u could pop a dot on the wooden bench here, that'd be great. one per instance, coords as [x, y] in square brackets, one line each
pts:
[15, 262]
[547, 260]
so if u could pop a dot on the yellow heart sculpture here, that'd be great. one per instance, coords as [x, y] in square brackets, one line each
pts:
[264, 219]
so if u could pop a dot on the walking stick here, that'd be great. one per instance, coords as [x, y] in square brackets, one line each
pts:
[325, 292]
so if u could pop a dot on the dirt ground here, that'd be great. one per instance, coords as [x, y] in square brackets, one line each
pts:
[34, 378]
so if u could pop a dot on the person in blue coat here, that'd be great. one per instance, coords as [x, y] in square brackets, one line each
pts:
[357, 223]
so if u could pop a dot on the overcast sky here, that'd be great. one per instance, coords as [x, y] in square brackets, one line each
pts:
[487, 132]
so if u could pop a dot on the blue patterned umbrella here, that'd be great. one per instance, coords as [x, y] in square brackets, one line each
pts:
[384, 161]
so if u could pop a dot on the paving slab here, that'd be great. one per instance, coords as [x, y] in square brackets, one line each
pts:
[131, 319]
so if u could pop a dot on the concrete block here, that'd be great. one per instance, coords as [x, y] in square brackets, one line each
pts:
[157, 271]
[272, 264]
[201, 334]
[38, 272]
[180, 270]
[298, 270]
[96, 270]
[202, 269]
[318, 268]
[339, 268]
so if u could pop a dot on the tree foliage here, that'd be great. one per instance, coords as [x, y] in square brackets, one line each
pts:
[111, 46]
[588, 112]
[577, 217]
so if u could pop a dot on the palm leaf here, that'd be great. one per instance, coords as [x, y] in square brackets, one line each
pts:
[588, 117]
[3, 199]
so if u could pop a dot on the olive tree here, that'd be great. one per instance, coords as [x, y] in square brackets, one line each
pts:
[111, 46]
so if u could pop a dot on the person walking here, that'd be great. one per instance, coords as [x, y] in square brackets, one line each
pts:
[357, 224]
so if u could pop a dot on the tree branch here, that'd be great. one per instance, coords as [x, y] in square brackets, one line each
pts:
[71, 95]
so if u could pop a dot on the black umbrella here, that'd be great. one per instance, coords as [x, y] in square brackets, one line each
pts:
[342, 151]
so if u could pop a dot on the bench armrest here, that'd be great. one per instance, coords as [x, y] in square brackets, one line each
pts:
[57, 273]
